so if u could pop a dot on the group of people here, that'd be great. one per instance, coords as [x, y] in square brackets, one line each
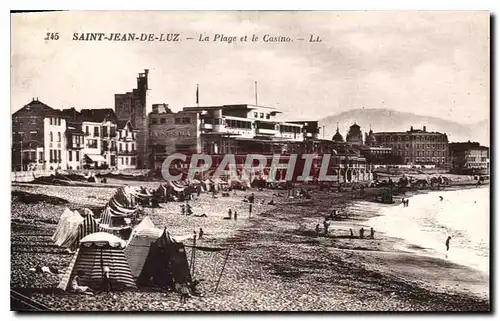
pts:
[405, 202]
[230, 215]
[326, 226]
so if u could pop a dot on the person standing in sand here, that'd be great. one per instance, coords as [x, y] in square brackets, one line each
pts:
[447, 243]
[317, 229]
[372, 233]
[326, 225]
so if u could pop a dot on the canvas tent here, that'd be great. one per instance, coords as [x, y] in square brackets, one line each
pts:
[121, 211]
[72, 227]
[96, 251]
[155, 258]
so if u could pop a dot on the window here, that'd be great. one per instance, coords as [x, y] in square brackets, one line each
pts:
[132, 161]
[121, 148]
[133, 147]
[154, 121]
[186, 120]
[70, 156]
[256, 115]
[92, 143]
[96, 131]
[59, 155]
[126, 160]
[40, 156]
[163, 120]
[59, 137]
[77, 156]
[87, 130]
[261, 115]
[126, 147]
[50, 120]
[122, 160]
[177, 121]
[51, 137]
[268, 116]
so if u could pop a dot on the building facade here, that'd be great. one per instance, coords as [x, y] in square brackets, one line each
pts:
[469, 158]
[133, 106]
[38, 138]
[416, 146]
[127, 145]
[246, 129]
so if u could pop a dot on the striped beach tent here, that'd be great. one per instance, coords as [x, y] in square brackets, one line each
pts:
[97, 251]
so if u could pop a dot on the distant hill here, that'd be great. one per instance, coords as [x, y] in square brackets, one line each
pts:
[391, 120]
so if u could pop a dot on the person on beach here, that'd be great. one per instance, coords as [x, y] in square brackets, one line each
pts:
[230, 214]
[75, 284]
[200, 234]
[441, 198]
[372, 233]
[403, 202]
[352, 233]
[235, 215]
[361, 233]
[317, 229]
[251, 198]
[184, 292]
[326, 225]
[106, 284]
[407, 203]
[447, 243]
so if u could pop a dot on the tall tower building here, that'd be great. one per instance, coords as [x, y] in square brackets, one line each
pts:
[133, 106]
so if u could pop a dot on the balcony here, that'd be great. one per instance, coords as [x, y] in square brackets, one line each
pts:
[264, 131]
[76, 146]
[127, 153]
[207, 126]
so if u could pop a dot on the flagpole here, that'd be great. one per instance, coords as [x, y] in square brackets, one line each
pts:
[198, 95]
[256, 101]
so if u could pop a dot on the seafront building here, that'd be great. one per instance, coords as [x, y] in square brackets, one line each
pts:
[38, 138]
[133, 106]
[416, 146]
[45, 138]
[243, 129]
[469, 158]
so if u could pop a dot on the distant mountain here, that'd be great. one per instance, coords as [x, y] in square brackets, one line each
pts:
[390, 120]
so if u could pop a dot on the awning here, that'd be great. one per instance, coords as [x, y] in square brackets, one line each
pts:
[96, 157]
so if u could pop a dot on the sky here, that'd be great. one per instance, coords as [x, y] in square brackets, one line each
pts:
[429, 63]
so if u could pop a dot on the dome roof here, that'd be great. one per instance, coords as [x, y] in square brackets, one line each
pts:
[371, 139]
[338, 137]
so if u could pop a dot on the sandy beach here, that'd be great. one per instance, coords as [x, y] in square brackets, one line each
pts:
[277, 260]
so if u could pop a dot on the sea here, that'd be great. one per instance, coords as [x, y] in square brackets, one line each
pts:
[428, 221]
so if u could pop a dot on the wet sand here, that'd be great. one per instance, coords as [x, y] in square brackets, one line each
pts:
[277, 262]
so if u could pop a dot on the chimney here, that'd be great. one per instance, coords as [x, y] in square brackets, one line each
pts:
[411, 128]
[425, 128]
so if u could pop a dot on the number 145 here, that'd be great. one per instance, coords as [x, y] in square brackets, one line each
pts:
[52, 36]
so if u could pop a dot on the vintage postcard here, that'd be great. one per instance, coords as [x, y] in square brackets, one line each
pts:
[250, 161]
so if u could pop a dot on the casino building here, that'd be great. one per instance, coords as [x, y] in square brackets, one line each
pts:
[244, 129]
